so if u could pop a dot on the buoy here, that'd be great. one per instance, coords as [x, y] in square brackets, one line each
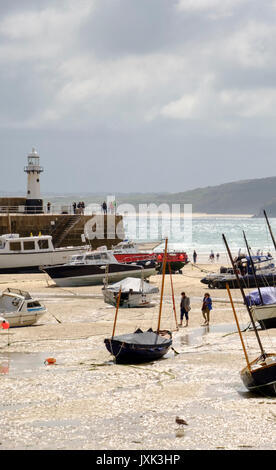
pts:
[5, 325]
[50, 360]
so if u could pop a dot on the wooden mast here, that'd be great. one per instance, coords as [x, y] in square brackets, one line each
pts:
[244, 298]
[170, 271]
[238, 326]
[270, 230]
[162, 286]
[253, 269]
[116, 314]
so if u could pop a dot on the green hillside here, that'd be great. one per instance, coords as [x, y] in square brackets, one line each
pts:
[241, 197]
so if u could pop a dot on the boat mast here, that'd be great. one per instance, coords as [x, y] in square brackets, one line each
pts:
[238, 326]
[170, 271]
[270, 230]
[253, 269]
[244, 298]
[162, 287]
[116, 314]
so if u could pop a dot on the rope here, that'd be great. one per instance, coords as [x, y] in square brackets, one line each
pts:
[202, 269]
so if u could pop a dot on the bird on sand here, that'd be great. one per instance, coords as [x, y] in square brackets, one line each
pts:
[181, 421]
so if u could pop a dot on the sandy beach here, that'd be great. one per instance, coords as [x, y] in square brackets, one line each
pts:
[86, 401]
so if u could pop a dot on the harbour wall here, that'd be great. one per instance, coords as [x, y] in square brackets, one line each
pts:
[66, 229]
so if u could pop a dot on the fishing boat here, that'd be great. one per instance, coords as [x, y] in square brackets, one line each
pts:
[128, 251]
[27, 254]
[140, 346]
[264, 267]
[259, 375]
[134, 293]
[90, 269]
[18, 308]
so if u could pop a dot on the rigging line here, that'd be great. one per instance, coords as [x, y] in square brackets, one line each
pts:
[243, 294]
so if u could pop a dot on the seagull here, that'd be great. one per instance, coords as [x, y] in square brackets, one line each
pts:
[181, 421]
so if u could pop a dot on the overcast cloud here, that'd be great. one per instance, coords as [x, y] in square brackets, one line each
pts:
[137, 95]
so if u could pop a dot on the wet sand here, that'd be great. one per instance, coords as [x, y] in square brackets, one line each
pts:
[86, 401]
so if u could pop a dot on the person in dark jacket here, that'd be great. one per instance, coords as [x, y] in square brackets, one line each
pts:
[206, 308]
[104, 207]
[184, 308]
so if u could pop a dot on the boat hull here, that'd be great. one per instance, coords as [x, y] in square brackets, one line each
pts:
[30, 262]
[23, 319]
[129, 354]
[90, 274]
[261, 379]
[265, 315]
[247, 281]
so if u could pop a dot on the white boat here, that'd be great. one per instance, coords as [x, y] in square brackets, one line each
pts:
[20, 309]
[263, 309]
[90, 268]
[134, 293]
[265, 315]
[27, 254]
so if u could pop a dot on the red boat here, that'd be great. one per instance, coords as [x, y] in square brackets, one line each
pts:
[129, 252]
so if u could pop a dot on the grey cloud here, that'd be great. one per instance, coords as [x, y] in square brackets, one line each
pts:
[96, 97]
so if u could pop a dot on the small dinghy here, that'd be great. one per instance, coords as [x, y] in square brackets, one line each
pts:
[19, 309]
[140, 346]
[134, 293]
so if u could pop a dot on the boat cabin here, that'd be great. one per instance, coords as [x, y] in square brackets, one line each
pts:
[95, 257]
[13, 300]
[13, 243]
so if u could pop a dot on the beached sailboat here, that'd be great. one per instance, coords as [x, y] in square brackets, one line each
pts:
[140, 346]
[258, 375]
[263, 307]
[265, 311]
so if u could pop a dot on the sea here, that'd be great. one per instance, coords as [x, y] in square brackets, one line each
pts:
[189, 231]
[203, 234]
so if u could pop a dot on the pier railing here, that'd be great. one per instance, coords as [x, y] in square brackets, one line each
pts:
[54, 209]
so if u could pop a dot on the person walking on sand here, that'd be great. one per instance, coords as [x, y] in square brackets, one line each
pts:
[206, 308]
[194, 256]
[217, 257]
[184, 309]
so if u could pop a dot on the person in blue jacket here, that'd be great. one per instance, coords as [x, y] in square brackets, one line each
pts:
[206, 308]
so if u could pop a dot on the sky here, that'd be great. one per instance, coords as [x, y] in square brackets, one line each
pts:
[137, 95]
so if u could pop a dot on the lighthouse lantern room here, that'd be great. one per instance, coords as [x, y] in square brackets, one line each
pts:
[34, 203]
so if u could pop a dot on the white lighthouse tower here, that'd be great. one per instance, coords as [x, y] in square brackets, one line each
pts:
[34, 203]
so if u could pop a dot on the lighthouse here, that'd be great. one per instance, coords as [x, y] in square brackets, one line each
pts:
[34, 203]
